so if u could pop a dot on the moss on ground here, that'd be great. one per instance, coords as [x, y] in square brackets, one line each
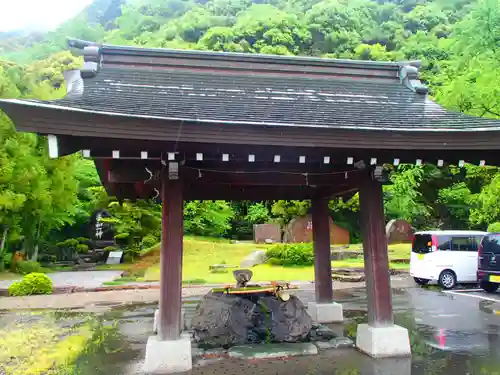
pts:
[42, 347]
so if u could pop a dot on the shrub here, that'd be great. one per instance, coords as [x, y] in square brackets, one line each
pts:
[33, 283]
[82, 248]
[7, 259]
[494, 227]
[149, 241]
[27, 266]
[300, 254]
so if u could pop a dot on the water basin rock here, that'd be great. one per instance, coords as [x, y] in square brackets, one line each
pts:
[225, 320]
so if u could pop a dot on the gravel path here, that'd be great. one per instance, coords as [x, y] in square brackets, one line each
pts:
[85, 279]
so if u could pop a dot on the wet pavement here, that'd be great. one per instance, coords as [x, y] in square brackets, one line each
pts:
[85, 279]
[452, 333]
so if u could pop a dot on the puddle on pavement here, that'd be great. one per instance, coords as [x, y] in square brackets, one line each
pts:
[441, 346]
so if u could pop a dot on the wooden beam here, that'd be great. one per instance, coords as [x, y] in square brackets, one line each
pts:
[322, 252]
[169, 325]
[375, 254]
[124, 174]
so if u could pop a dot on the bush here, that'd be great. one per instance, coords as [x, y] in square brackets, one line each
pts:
[33, 283]
[82, 248]
[149, 241]
[27, 266]
[7, 260]
[494, 227]
[300, 254]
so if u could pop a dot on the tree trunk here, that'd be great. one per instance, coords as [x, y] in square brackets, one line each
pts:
[4, 239]
[34, 256]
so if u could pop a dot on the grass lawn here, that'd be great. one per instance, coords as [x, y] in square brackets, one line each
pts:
[200, 253]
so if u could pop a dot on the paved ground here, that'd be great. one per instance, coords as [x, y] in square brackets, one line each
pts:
[452, 333]
[86, 279]
[96, 300]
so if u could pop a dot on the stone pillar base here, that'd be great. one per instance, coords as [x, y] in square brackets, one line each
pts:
[168, 357]
[156, 317]
[325, 312]
[383, 342]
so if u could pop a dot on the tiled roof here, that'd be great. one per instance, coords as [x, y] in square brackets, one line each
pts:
[275, 91]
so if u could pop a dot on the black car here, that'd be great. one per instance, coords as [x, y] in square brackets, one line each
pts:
[488, 264]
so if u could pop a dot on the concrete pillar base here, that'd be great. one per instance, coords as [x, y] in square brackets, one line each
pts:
[383, 342]
[156, 317]
[168, 357]
[325, 312]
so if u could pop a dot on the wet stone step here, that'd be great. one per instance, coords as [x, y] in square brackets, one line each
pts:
[265, 351]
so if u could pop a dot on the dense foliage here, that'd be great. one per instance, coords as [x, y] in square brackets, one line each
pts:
[33, 283]
[44, 202]
[297, 254]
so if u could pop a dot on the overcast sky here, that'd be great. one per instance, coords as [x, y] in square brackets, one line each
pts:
[37, 14]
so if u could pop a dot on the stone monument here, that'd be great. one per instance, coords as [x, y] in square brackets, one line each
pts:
[265, 233]
[399, 231]
[300, 230]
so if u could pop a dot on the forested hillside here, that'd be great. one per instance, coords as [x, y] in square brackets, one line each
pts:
[457, 40]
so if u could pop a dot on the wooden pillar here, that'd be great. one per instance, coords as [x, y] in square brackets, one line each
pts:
[169, 322]
[322, 254]
[378, 284]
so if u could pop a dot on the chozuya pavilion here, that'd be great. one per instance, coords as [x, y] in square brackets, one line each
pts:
[183, 125]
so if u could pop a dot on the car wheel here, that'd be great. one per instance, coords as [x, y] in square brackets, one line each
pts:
[447, 279]
[488, 287]
[420, 281]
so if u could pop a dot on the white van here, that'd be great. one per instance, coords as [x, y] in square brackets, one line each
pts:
[448, 257]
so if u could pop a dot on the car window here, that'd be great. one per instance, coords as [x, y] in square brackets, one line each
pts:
[491, 244]
[466, 243]
[422, 244]
[443, 243]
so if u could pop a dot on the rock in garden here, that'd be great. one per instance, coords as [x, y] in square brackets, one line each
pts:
[224, 320]
[257, 257]
[290, 321]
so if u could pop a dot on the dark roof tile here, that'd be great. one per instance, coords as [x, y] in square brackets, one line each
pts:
[264, 99]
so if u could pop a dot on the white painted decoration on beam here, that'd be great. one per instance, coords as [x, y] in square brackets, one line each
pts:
[53, 146]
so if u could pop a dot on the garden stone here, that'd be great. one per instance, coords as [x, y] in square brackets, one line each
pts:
[325, 333]
[224, 320]
[290, 320]
[257, 257]
[336, 343]
[272, 350]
